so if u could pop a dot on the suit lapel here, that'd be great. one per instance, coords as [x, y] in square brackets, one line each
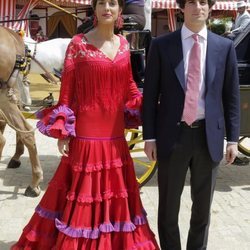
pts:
[178, 62]
[211, 59]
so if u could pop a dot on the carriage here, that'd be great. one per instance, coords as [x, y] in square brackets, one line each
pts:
[242, 46]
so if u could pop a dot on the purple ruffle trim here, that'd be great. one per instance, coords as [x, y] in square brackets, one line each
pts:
[139, 220]
[69, 120]
[132, 118]
[124, 227]
[43, 128]
[47, 214]
[103, 228]
[39, 115]
[106, 227]
[77, 233]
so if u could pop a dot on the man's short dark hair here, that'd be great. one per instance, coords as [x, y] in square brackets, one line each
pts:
[181, 3]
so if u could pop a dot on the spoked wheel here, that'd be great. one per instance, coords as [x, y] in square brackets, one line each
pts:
[244, 145]
[130, 136]
[144, 168]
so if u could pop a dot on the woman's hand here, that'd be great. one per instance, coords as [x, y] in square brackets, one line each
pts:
[63, 146]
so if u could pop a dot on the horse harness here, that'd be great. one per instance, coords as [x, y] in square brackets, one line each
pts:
[22, 64]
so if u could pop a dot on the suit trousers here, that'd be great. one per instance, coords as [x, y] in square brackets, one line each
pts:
[189, 152]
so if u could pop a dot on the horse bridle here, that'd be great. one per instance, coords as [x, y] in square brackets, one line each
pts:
[35, 48]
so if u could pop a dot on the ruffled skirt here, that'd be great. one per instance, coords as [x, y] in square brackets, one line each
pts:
[92, 202]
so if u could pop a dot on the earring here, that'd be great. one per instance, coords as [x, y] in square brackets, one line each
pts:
[95, 21]
[119, 22]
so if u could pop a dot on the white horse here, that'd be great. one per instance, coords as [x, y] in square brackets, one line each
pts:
[50, 54]
[47, 57]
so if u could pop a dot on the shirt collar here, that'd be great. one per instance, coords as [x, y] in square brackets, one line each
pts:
[186, 33]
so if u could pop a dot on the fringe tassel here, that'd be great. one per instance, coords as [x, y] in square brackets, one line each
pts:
[105, 87]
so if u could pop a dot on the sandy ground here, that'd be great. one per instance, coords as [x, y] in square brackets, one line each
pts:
[40, 88]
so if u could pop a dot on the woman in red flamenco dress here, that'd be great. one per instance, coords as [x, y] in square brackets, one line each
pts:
[92, 201]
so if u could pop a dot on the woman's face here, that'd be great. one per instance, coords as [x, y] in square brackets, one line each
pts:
[107, 11]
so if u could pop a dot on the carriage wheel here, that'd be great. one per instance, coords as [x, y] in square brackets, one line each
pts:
[144, 169]
[244, 145]
[130, 136]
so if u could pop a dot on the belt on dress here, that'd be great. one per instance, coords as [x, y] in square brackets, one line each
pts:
[195, 124]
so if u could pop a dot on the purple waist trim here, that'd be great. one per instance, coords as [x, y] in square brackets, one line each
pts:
[100, 138]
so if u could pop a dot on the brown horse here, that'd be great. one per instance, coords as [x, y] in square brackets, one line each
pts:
[12, 54]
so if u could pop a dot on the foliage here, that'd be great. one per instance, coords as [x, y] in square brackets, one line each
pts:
[220, 26]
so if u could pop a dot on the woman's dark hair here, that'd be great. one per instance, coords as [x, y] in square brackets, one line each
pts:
[120, 2]
[181, 3]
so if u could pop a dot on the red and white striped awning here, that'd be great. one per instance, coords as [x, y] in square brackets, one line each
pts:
[171, 4]
[23, 25]
[8, 8]
[156, 4]
[7, 12]
[164, 4]
[64, 3]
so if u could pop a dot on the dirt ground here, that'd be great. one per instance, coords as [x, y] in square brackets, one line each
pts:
[40, 88]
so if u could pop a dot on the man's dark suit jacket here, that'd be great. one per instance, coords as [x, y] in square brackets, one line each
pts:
[164, 93]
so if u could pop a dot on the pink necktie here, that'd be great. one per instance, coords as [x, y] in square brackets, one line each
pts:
[193, 82]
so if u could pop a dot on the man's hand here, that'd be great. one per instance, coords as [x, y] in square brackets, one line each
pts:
[150, 150]
[63, 146]
[231, 153]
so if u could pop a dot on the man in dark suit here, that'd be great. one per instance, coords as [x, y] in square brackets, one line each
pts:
[191, 101]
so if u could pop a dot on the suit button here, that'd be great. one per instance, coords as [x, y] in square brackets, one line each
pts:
[178, 123]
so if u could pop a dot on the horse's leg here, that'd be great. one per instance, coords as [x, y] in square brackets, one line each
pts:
[28, 139]
[15, 160]
[2, 139]
[17, 121]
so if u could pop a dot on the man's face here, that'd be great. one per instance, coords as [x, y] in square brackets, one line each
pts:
[196, 12]
[241, 10]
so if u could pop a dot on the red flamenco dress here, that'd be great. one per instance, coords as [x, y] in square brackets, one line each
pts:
[92, 201]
